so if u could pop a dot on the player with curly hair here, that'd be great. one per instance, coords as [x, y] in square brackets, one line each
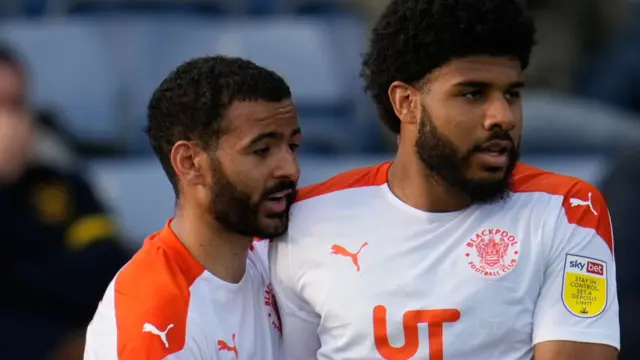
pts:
[454, 250]
[226, 132]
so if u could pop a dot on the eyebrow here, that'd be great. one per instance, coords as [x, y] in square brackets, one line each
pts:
[486, 85]
[272, 135]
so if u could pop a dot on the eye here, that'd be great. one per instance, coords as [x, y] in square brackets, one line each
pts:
[294, 147]
[512, 95]
[262, 152]
[472, 94]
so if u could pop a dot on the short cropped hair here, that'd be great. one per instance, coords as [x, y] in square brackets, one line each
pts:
[9, 55]
[414, 37]
[192, 101]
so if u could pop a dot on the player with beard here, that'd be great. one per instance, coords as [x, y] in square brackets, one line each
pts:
[454, 250]
[226, 132]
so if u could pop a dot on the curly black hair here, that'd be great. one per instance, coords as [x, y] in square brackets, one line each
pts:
[191, 102]
[414, 37]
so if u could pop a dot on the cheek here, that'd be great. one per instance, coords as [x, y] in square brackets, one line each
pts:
[458, 126]
[247, 182]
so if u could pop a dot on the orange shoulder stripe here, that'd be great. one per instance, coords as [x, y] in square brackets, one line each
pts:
[152, 294]
[583, 203]
[367, 176]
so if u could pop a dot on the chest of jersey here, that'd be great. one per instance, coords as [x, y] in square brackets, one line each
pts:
[240, 324]
[400, 288]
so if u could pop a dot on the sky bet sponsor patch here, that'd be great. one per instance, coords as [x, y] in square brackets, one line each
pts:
[584, 288]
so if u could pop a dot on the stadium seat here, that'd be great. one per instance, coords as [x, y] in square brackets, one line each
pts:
[70, 72]
[96, 7]
[138, 193]
[299, 49]
[310, 7]
[557, 122]
[11, 8]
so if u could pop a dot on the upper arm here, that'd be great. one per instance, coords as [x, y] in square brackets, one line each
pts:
[570, 350]
[138, 321]
[577, 308]
[108, 341]
[299, 321]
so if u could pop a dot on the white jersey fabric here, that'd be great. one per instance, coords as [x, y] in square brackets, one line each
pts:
[164, 305]
[361, 275]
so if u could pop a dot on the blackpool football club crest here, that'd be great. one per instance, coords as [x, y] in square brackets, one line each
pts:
[272, 308]
[492, 252]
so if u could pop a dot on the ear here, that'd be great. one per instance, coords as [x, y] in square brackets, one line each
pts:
[188, 163]
[406, 102]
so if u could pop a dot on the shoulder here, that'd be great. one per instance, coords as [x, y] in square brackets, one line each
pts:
[528, 178]
[357, 178]
[330, 203]
[152, 301]
[52, 174]
[580, 202]
[337, 198]
[259, 256]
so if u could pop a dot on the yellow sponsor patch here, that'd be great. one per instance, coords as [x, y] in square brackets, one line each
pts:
[584, 288]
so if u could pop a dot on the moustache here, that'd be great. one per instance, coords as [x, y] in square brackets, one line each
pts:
[284, 185]
[496, 135]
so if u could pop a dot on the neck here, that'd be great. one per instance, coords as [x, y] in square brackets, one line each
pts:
[221, 252]
[412, 183]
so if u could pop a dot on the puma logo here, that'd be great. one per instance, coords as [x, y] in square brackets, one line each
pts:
[579, 202]
[223, 346]
[162, 334]
[339, 250]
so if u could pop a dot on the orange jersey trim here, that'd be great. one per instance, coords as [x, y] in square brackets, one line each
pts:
[152, 294]
[368, 176]
[583, 203]
[525, 179]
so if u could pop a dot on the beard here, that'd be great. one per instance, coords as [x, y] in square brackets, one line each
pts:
[448, 164]
[234, 208]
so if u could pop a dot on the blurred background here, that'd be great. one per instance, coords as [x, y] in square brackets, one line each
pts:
[80, 73]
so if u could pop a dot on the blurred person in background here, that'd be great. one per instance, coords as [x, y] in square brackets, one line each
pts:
[621, 187]
[59, 247]
[225, 131]
[498, 259]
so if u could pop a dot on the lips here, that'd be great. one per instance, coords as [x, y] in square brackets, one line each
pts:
[280, 195]
[496, 147]
[277, 202]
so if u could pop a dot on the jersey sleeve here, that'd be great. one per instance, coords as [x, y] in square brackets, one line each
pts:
[157, 340]
[299, 321]
[578, 300]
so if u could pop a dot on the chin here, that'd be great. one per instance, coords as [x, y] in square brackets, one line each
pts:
[273, 227]
[488, 175]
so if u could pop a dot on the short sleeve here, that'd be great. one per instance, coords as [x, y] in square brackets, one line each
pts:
[578, 300]
[157, 339]
[299, 321]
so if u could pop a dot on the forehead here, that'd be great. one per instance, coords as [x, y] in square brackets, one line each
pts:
[10, 74]
[250, 117]
[485, 69]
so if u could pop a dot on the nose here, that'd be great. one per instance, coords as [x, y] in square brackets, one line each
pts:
[500, 113]
[288, 167]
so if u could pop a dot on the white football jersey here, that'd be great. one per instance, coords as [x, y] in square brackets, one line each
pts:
[164, 305]
[361, 275]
